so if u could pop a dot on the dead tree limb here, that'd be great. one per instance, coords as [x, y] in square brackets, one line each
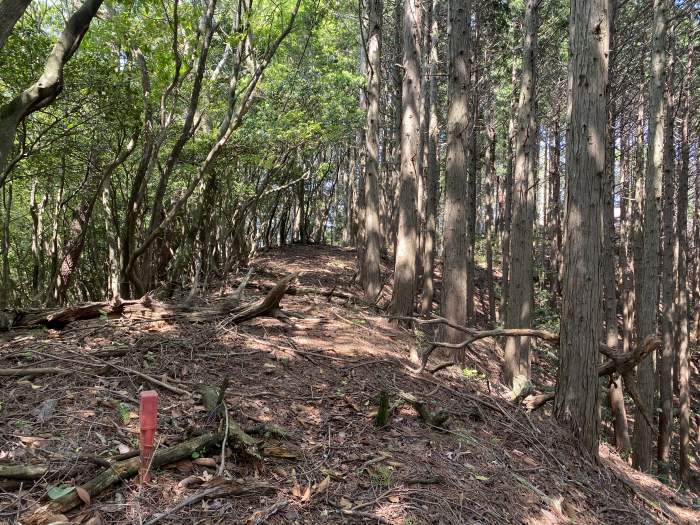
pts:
[268, 305]
[145, 308]
[130, 467]
[621, 364]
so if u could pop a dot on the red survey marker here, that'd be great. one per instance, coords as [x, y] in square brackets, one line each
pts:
[148, 416]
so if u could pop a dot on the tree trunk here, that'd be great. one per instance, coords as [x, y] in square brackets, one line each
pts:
[372, 257]
[668, 284]
[454, 284]
[406, 242]
[519, 301]
[10, 12]
[473, 164]
[433, 168]
[508, 205]
[647, 306]
[576, 399]
[615, 393]
[682, 289]
[555, 212]
[6, 289]
[49, 85]
[489, 180]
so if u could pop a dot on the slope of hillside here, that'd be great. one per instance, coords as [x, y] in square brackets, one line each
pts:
[307, 387]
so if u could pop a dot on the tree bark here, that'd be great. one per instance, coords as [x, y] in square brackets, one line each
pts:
[616, 397]
[433, 168]
[406, 242]
[49, 85]
[489, 180]
[519, 301]
[668, 283]
[681, 304]
[647, 306]
[372, 256]
[10, 12]
[576, 399]
[454, 283]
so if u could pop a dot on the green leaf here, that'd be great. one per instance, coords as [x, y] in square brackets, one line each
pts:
[58, 491]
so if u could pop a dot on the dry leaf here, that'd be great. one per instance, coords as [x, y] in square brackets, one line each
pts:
[123, 449]
[83, 494]
[345, 503]
[322, 486]
[296, 490]
[205, 462]
[189, 480]
[307, 494]
[394, 499]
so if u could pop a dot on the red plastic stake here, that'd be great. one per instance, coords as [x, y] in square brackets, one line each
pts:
[148, 416]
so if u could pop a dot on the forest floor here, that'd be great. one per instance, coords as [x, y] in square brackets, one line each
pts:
[310, 387]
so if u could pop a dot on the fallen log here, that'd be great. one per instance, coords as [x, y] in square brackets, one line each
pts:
[130, 467]
[146, 308]
[23, 471]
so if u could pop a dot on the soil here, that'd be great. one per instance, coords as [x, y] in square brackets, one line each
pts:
[310, 386]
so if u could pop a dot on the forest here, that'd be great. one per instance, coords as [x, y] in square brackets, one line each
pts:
[379, 259]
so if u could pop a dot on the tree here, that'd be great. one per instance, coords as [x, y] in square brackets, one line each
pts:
[49, 85]
[519, 303]
[649, 270]
[10, 12]
[371, 253]
[454, 289]
[576, 400]
[406, 240]
[433, 169]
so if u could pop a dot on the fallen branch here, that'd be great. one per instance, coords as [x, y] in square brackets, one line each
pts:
[229, 488]
[145, 308]
[268, 305]
[23, 471]
[622, 364]
[130, 467]
[20, 372]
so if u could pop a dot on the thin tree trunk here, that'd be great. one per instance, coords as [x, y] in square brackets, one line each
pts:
[6, 295]
[433, 169]
[649, 269]
[454, 287]
[519, 301]
[489, 179]
[668, 283]
[682, 289]
[372, 255]
[508, 207]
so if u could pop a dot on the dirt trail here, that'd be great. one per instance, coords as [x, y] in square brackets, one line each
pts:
[311, 385]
